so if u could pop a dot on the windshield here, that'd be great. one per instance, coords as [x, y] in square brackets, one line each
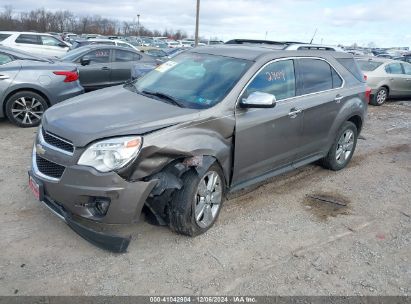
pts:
[194, 80]
[367, 65]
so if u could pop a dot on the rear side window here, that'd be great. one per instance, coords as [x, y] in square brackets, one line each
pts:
[337, 81]
[28, 39]
[315, 76]
[99, 56]
[368, 65]
[4, 36]
[125, 56]
[351, 65]
[393, 68]
[276, 78]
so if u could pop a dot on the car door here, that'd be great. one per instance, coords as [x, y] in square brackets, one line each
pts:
[9, 68]
[122, 64]
[96, 74]
[321, 97]
[396, 79]
[267, 139]
[53, 46]
[406, 79]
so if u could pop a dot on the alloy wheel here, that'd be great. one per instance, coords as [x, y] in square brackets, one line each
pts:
[27, 110]
[345, 147]
[208, 199]
[381, 96]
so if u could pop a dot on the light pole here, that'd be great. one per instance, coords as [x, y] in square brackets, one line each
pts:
[138, 25]
[197, 19]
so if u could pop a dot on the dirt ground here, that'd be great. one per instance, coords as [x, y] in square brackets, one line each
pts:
[274, 240]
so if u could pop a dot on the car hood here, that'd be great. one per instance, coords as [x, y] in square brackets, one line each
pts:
[111, 112]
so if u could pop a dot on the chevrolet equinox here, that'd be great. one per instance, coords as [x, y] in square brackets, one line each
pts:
[210, 121]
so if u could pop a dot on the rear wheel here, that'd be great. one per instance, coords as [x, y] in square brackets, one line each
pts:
[343, 147]
[195, 208]
[25, 109]
[380, 97]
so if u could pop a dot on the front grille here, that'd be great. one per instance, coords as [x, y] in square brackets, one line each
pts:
[57, 142]
[49, 168]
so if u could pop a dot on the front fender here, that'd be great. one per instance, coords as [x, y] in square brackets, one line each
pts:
[210, 137]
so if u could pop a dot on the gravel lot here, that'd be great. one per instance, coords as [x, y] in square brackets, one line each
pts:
[273, 240]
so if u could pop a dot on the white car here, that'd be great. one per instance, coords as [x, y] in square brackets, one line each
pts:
[41, 44]
[113, 42]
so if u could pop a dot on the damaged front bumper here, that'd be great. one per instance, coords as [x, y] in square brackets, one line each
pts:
[105, 241]
[78, 193]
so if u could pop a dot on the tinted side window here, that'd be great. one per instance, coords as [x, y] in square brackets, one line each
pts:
[394, 68]
[99, 56]
[337, 81]
[277, 78]
[124, 56]
[315, 76]
[28, 39]
[4, 58]
[351, 65]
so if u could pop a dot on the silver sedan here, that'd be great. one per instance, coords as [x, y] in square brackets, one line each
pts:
[29, 85]
[386, 78]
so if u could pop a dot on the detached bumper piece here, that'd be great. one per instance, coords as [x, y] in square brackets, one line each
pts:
[104, 241]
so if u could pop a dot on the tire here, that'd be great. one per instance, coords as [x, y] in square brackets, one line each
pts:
[342, 149]
[25, 109]
[182, 212]
[380, 97]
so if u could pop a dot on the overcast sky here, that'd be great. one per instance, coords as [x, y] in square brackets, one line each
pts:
[384, 22]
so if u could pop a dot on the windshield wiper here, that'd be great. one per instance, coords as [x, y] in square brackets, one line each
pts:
[161, 95]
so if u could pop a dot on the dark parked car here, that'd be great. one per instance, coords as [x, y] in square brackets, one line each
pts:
[30, 84]
[210, 121]
[102, 66]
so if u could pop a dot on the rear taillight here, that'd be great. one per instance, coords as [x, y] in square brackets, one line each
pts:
[70, 75]
[367, 95]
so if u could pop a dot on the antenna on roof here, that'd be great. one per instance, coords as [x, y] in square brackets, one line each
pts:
[311, 42]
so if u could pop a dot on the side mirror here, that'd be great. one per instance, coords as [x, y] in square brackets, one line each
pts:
[85, 60]
[258, 100]
[62, 44]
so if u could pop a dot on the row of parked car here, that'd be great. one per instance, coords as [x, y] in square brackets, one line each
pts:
[29, 83]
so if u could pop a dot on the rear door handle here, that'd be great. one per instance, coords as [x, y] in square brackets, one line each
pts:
[408, 79]
[294, 112]
[338, 98]
[3, 77]
[105, 68]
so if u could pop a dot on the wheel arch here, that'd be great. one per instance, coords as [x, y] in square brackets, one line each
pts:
[17, 90]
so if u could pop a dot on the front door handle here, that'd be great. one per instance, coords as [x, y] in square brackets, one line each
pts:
[3, 77]
[105, 68]
[294, 112]
[338, 98]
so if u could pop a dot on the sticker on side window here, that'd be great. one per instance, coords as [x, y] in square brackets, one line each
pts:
[165, 66]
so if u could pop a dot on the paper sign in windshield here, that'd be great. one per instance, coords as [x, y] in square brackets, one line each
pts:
[166, 66]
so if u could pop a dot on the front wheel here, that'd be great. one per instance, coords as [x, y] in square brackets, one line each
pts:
[195, 208]
[343, 147]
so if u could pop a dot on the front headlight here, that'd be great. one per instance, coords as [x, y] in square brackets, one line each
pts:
[111, 154]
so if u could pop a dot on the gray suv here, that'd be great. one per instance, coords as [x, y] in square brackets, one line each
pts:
[210, 121]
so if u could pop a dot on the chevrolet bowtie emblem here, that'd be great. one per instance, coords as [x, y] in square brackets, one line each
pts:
[40, 150]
